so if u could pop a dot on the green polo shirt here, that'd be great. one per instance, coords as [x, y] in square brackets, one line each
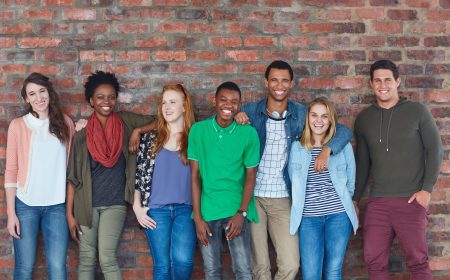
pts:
[223, 154]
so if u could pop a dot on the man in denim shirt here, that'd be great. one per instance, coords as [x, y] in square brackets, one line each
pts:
[279, 122]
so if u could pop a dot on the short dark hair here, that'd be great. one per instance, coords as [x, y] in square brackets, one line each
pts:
[97, 79]
[279, 64]
[384, 64]
[230, 86]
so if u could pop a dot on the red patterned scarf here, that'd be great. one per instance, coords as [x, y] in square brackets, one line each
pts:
[105, 145]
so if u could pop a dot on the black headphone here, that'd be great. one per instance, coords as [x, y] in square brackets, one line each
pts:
[276, 115]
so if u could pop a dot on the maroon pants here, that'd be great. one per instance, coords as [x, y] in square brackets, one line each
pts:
[386, 218]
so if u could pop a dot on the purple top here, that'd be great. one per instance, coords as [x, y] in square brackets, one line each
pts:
[171, 183]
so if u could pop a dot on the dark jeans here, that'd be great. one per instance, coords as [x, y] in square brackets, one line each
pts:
[389, 217]
[172, 242]
[239, 250]
[53, 223]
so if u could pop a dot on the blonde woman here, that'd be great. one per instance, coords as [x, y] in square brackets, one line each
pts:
[322, 208]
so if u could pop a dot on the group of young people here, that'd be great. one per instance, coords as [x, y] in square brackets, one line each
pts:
[273, 168]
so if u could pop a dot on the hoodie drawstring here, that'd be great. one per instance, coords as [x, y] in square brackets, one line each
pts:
[388, 127]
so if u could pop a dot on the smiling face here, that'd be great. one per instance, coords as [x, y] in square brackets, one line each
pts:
[173, 106]
[319, 121]
[227, 103]
[385, 87]
[103, 101]
[279, 83]
[38, 98]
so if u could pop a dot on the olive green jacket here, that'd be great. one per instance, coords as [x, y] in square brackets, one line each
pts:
[79, 168]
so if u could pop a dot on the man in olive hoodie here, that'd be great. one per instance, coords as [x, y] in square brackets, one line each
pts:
[399, 145]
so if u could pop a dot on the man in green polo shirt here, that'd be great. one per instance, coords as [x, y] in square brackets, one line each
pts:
[223, 158]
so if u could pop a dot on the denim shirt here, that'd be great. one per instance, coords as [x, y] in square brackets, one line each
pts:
[295, 122]
[342, 171]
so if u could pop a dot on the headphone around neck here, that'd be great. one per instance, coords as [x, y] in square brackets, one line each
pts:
[277, 115]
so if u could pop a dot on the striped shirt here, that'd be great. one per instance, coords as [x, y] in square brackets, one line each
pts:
[321, 197]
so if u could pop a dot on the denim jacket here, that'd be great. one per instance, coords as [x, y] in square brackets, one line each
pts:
[342, 172]
[295, 122]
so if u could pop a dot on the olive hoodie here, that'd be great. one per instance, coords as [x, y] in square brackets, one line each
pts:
[400, 148]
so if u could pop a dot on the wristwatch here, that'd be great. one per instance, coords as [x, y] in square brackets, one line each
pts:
[242, 212]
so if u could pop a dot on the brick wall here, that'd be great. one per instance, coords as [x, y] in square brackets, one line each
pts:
[148, 43]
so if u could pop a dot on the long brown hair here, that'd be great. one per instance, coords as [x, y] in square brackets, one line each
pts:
[57, 122]
[306, 139]
[162, 127]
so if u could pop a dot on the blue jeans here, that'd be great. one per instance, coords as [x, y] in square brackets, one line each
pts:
[53, 223]
[172, 242]
[239, 250]
[323, 242]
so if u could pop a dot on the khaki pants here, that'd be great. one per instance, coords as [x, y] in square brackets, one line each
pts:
[274, 217]
[104, 236]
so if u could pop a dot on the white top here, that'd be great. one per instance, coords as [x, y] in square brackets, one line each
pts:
[47, 169]
[269, 178]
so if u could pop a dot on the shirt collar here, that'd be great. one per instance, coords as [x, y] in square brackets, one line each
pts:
[218, 128]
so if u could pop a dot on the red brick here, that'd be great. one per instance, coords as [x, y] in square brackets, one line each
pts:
[46, 69]
[96, 56]
[152, 13]
[55, 28]
[278, 3]
[388, 27]
[202, 28]
[278, 28]
[439, 41]
[445, 167]
[39, 42]
[170, 2]
[132, 28]
[151, 42]
[437, 69]
[38, 14]
[6, 15]
[20, 28]
[370, 13]
[65, 83]
[317, 83]
[295, 16]
[421, 3]
[372, 41]
[444, 4]
[427, 27]
[438, 96]
[333, 70]
[6, 262]
[426, 55]
[316, 56]
[440, 264]
[410, 69]
[295, 41]
[254, 68]
[9, 98]
[221, 69]
[66, 3]
[327, 3]
[383, 2]
[328, 42]
[260, 15]
[132, 56]
[79, 14]
[226, 42]
[259, 41]
[423, 82]
[403, 41]
[170, 56]
[438, 15]
[203, 55]
[177, 27]
[402, 14]
[241, 28]
[278, 55]
[225, 14]
[351, 83]
[12, 68]
[316, 27]
[391, 55]
[242, 55]
[94, 28]
[186, 69]
[183, 42]
[7, 42]
[334, 14]
[191, 14]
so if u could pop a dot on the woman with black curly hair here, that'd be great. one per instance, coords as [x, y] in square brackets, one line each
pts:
[101, 177]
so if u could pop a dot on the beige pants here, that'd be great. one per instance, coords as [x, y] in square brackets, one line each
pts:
[274, 216]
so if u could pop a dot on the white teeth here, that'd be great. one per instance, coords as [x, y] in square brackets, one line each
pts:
[226, 111]
[279, 92]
